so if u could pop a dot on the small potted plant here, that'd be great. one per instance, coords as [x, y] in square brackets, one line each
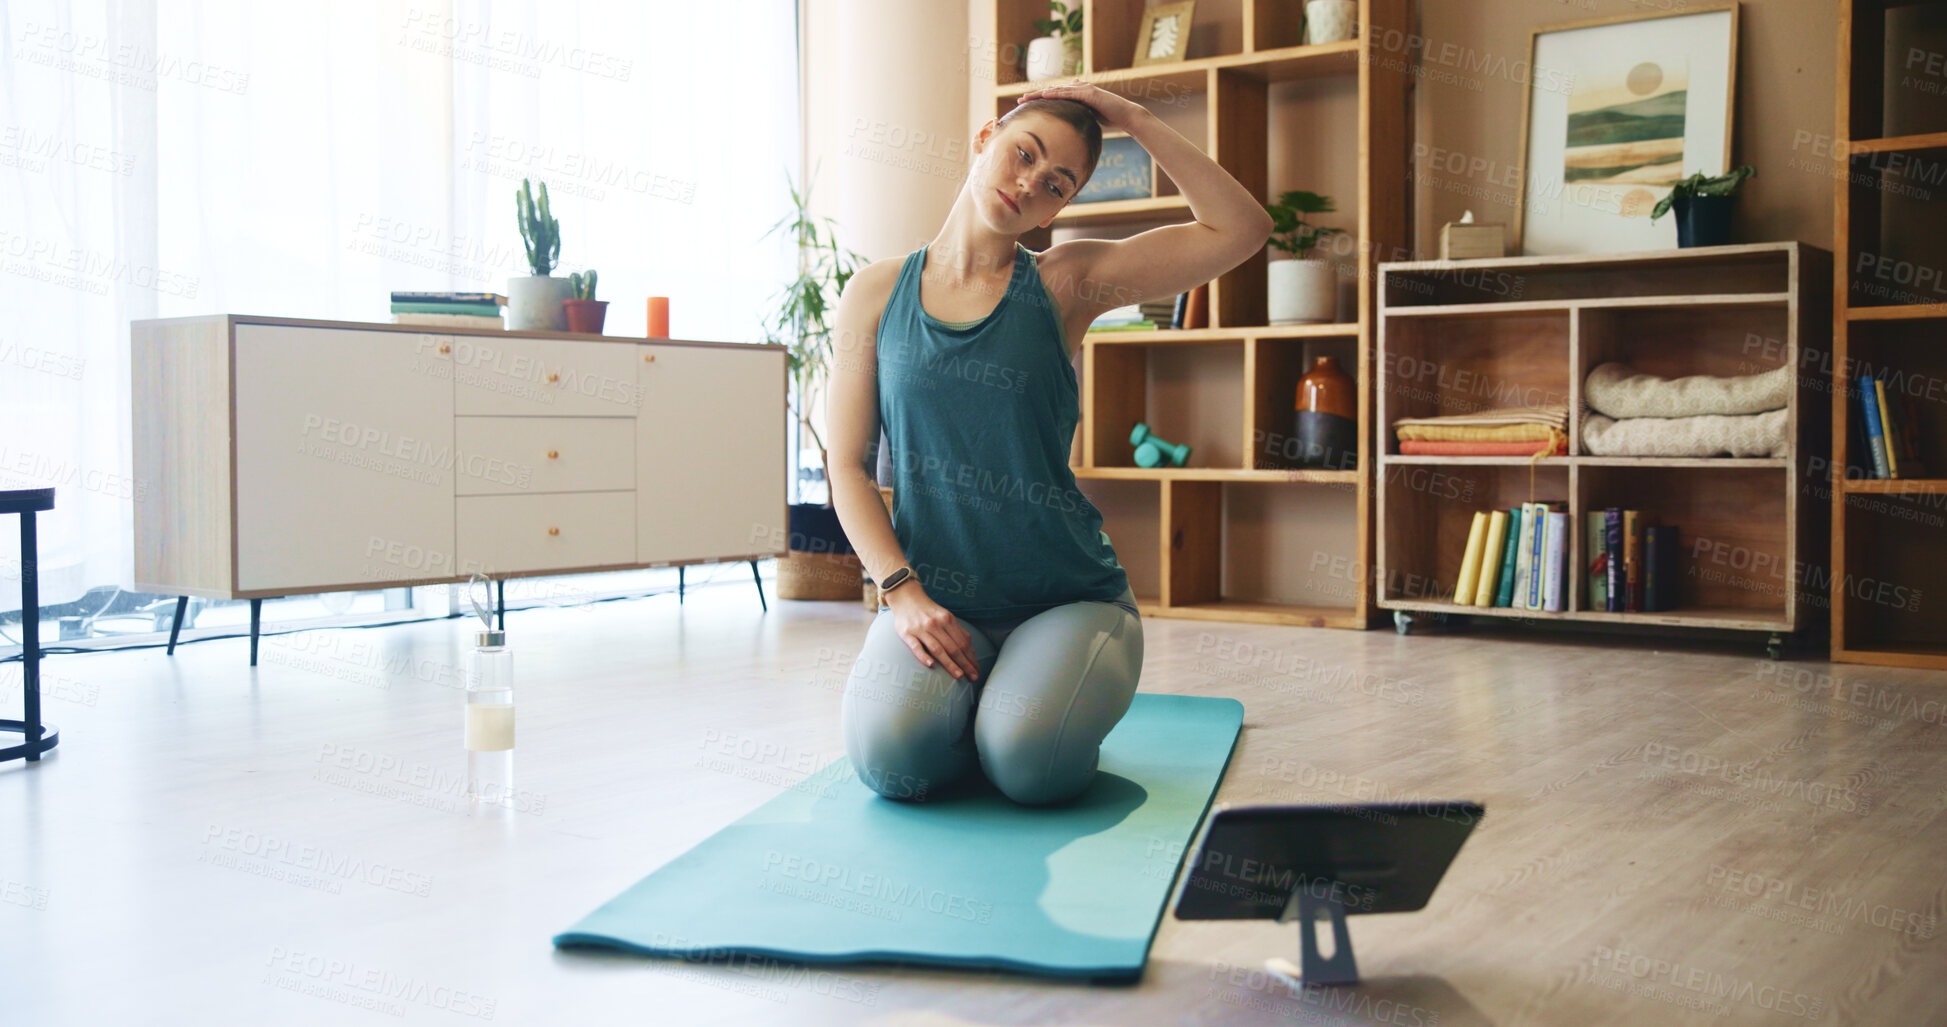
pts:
[1059, 50]
[534, 302]
[1330, 21]
[585, 312]
[1703, 206]
[1300, 291]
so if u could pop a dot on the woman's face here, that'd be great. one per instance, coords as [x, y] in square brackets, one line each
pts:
[1030, 169]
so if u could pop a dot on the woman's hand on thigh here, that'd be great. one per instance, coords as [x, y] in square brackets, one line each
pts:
[932, 632]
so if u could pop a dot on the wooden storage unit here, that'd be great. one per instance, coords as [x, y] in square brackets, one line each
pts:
[1889, 536]
[1466, 335]
[1239, 536]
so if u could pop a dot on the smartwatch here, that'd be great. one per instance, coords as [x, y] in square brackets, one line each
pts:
[896, 579]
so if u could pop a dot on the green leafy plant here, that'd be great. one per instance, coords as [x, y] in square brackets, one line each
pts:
[540, 232]
[1700, 184]
[1290, 231]
[1067, 23]
[583, 282]
[799, 320]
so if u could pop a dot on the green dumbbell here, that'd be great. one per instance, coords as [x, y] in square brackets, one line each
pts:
[1152, 449]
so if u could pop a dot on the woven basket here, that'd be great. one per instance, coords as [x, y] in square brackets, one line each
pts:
[820, 576]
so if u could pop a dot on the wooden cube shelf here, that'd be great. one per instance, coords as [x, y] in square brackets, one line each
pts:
[1467, 335]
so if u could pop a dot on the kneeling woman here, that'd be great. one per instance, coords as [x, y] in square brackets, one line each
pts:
[1009, 638]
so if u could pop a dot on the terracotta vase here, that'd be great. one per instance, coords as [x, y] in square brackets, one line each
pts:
[586, 316]
[1326, 419]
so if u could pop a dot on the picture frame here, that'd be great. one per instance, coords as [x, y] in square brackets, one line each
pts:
[1648, 101]
[1164, 36]
[1124, 171]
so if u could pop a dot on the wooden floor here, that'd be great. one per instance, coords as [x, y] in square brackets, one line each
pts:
[1675, 834]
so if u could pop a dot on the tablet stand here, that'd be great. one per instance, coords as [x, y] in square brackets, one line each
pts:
[1309, 911]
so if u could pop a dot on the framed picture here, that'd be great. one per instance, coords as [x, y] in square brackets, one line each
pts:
[1164, 36]
[1122, 172]
[1619, 109]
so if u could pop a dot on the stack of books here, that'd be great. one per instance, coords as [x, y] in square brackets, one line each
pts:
[1123, 319]
[1886, 431]
[1514, 558]
[448, 309]
[1632, 562]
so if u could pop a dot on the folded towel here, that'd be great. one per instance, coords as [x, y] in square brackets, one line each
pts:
[1762, 434]
[1544, 447]
[1553, 416]
[1479, 433]
[1621, 391]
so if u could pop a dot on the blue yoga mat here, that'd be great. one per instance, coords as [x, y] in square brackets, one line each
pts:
[832, 872]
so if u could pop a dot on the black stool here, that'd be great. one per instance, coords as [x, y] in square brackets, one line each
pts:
[36, 738]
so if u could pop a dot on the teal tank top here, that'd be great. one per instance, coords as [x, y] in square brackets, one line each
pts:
[980, 417]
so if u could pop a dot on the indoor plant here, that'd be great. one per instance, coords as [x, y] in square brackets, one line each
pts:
[1059, 50]
[820, 563]
[1300, 291]
[534, 302]
[1703, 206]
[584, 312]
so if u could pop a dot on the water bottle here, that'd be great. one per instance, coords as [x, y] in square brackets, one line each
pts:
[490, 717]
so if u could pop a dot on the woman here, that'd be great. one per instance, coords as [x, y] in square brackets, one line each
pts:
[1008, 636]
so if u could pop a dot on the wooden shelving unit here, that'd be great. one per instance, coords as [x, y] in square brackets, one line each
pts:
[1239, 535]
[1466, 335]
[1889, 536]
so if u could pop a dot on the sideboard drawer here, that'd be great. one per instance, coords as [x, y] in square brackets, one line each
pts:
[545, 531]
[562, 377]
[513, 455]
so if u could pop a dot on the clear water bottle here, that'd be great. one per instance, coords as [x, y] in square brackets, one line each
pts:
[490, 719]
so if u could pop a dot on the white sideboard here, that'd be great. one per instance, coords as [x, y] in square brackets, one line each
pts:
[284, 456]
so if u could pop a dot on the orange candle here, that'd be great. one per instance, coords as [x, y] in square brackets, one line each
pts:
[658, 317]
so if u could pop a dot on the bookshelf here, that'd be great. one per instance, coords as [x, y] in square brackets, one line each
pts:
[1889, 536]
[1241, 534]
[1465, 335]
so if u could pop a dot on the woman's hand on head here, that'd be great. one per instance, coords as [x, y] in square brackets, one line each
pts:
[1116, 113]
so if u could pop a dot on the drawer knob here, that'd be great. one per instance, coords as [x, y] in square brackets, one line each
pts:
[445, 348]
[553, 377]
[554, 531]
[648, 358]
[554, 454]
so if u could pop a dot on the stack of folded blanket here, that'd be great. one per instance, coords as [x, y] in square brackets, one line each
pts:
[1635, 414]
[1504, 431]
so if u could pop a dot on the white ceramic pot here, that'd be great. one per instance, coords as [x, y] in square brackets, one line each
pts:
[1330, 21]
[1301, 291]
[1045, 58]
[534, 303]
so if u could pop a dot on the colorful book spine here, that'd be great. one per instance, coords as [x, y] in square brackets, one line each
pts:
[1497, 531]
[1551, 579]
[1910, 436]
[1613, 545]
[1875, 438]
[1537, 555]
[1632, 561]
[1470, 562]
[1523, 563]
[1510, 551]
[1888, 427]
[483, 309]
[1595, 547]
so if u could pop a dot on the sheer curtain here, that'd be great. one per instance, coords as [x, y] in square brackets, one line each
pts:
[171, 159]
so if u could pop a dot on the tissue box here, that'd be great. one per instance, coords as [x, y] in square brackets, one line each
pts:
[1466, 240]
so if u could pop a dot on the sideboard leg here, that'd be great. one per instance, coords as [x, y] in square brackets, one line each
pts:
[182, 605]
[501, 602]
[679, 586]
[256, 620]
[760, 586]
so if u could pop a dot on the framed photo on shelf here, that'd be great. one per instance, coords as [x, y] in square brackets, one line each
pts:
[1124, 171]
[1164, 36]
[1619, 109]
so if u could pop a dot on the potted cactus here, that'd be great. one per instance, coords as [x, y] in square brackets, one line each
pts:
[585, 312]
[1300, 291]
[534, 302]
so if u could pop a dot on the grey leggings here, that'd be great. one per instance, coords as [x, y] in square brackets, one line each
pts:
[1050, 688]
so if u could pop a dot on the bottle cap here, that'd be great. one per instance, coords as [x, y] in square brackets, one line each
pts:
[490, 639]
